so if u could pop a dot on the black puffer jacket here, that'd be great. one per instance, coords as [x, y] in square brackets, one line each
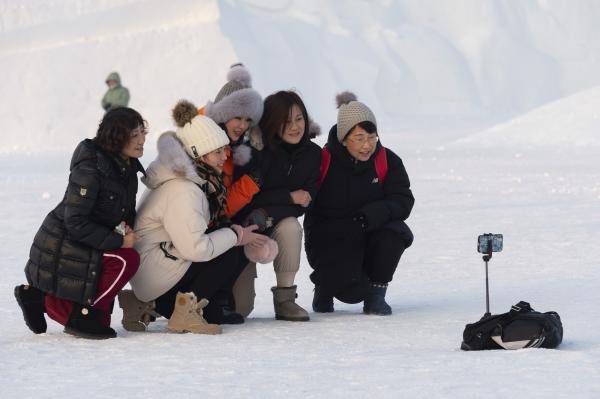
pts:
[65, 259]
[333, 239]
[285, 168]
[351, 188]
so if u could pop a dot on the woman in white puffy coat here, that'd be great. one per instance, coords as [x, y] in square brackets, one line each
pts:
[187, 244]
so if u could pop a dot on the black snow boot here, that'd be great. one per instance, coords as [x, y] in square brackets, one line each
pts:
[375, 300]
[31, 301]
[84, 322]
[322, 303]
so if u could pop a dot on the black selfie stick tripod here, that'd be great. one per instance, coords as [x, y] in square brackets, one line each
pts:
[486, 259]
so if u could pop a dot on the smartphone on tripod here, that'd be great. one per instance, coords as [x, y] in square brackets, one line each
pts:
[486, 245]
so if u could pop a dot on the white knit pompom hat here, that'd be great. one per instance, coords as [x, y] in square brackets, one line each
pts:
[198, 133]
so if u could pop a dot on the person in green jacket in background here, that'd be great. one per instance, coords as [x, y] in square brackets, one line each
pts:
[117, 95]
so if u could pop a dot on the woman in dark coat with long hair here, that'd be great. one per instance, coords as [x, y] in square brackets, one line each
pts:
[290, 170]
[355, 231]
[82, 254]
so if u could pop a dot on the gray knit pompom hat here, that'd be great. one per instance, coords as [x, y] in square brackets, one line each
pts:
[350, 113]
[236, 98]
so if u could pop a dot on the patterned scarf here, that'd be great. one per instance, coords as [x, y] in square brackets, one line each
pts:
[216, 193]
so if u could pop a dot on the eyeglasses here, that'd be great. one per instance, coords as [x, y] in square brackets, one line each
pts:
[361, 140]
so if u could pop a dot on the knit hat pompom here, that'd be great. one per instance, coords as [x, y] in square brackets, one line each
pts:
[314, 129]
[344, 98]
[184, 112]
[239, 73]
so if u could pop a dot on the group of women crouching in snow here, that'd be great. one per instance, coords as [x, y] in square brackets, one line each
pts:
[224, 193]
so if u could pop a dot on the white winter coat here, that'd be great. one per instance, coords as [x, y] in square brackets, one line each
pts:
[173, 214]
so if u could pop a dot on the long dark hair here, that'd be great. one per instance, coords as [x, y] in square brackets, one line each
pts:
[115, 129]
[276, 112]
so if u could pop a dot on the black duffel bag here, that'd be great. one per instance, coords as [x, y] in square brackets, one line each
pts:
[522, 327]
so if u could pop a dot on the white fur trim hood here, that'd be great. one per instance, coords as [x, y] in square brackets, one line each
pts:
[172, 162]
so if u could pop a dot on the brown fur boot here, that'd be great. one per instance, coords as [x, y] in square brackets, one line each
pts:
[286, 308]
[188, 316]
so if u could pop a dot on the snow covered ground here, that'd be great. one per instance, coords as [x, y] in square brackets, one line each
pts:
[545, 202]
[535, 178]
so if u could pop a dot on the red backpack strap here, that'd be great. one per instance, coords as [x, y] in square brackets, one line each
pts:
[381, 165]
[325, 161]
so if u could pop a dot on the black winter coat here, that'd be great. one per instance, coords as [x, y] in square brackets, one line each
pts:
[333, 239]
[350, 188]
[65, 259]
[286, 168]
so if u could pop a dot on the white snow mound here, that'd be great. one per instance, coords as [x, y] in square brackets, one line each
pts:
[571, 121]
[408, 60]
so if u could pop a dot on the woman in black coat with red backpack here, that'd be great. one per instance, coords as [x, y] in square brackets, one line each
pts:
[355, 230]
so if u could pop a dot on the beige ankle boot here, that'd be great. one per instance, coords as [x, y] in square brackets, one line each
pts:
[285, 306]
[188, 316]
[136, 314]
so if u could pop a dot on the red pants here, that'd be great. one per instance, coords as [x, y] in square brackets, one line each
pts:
[118, 267]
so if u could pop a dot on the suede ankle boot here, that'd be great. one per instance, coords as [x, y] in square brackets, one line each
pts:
[375, 300]
[31, 301]
[86, 322]
[188, 316]
[136, 314]
[322, 303]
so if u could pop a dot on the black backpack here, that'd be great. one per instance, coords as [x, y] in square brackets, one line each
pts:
[522, 327]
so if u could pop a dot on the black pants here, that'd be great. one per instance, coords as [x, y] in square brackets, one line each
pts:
[382, 252]
[212, 280]
[346, 261]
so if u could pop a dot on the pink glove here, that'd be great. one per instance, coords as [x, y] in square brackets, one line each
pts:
[246, 235]
[264, 253]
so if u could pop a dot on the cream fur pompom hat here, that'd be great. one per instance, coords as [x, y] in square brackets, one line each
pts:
[198, 133]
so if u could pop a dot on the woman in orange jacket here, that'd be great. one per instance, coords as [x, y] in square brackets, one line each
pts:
[237, 108]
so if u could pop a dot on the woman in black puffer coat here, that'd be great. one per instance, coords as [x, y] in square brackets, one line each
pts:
[82, 254]
[355, 231]
[289, 168]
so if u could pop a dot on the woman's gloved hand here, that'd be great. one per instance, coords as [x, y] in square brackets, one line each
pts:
[260, 218]
[247, 236]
